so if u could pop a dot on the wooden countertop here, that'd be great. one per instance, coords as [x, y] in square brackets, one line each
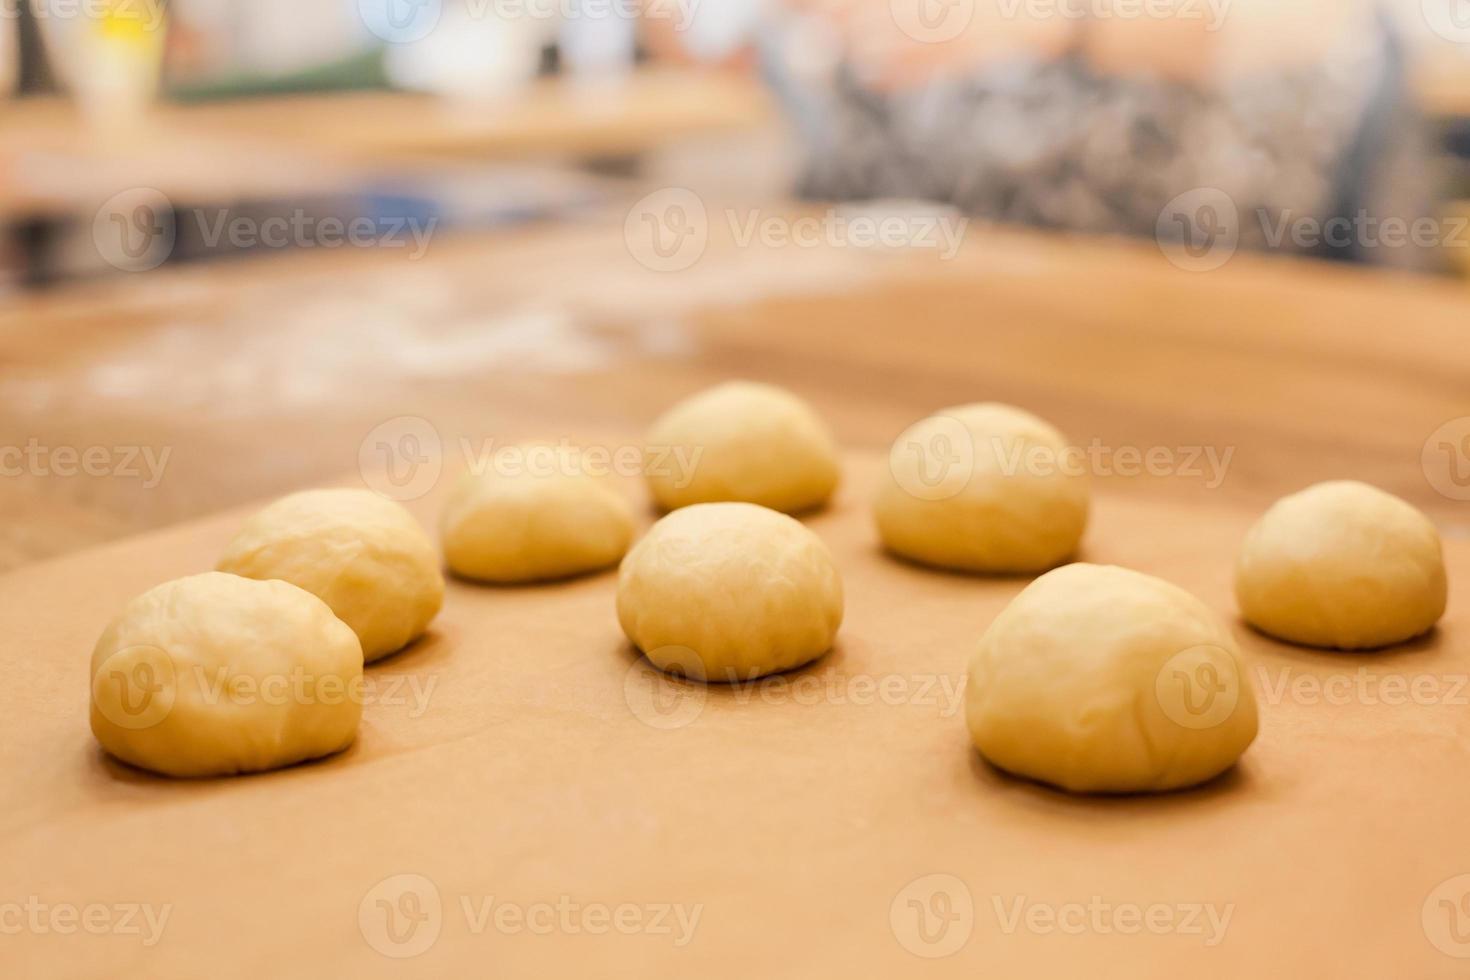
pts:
[246, 380]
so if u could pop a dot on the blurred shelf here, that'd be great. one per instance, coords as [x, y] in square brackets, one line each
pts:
[280, 146]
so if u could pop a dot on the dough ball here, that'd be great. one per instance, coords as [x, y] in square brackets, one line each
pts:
[729, 592]
[1099, 679]
[524, 526]
[741, 441]
[216, 674]
[983, 488]
[1344, 565]
[363, 555]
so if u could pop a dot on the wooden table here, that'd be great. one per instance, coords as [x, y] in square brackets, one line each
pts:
[266, 375]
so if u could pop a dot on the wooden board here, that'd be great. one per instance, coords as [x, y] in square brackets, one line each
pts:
[804, 818]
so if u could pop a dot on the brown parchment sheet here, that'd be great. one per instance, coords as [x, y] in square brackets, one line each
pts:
[527, 800]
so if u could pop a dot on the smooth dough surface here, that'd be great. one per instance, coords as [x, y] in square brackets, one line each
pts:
[741, 441]
[526, 527]
[1342, 564]
[215, 674]
[361, 554]
[729, 592]
[983, 488]
[1099, 679]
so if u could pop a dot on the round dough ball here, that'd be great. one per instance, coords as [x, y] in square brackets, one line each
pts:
[525, 526]
[1099, 679]
[729, 592]
[216, 674]
[741, 441]
[1344, 565]
[361, 554]
[983, 488]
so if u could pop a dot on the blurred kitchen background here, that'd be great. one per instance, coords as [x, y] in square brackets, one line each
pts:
[174, 174]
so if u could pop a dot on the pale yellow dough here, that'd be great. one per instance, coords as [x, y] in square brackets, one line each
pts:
[216, 674]
[729, 592]
[1344, 565]
[741, 441]
[526, 526]
[364, 555]
[983, 488]
[1099, 679]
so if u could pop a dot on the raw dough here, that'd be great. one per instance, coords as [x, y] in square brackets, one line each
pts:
[741, 441]
[1342, 564]
[216, 674]
[365, 556]
[729, 592]
[524, 526]
[1099, 679]
[983, 488]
